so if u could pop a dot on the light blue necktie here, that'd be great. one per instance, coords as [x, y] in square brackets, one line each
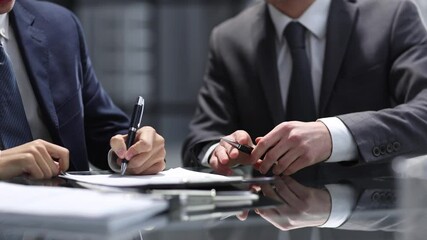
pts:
[14, 128]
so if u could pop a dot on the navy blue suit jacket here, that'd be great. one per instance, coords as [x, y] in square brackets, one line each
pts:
[78, 112]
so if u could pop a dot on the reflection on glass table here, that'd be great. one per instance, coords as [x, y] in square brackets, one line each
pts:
[329, 201]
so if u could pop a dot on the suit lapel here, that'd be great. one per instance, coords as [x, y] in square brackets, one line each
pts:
[265, 50]
[342, 16]
[32, 45]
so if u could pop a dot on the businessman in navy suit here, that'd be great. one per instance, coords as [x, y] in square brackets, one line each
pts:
[368, 67]
[71, 117]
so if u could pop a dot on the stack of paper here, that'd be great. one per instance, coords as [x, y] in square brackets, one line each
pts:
[74, 209]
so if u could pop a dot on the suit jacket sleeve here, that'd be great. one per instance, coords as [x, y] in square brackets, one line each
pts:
[400, 129]
[215, 114]
[102, 118]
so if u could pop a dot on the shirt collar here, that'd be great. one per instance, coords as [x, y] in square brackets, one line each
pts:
[315, 19]
[4, 26]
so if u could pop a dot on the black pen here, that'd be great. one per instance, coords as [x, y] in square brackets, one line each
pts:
[138, 111]
[243, 148]
[248, 150]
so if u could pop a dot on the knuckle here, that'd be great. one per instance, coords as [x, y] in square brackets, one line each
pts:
[239, 133]
[161, 140]
[148, 128]
[116, 139]
[282, 164]
[295, 138]
[286, 126]
[262, 143]
[28, 157]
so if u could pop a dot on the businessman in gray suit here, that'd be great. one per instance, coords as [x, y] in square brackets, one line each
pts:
[365, 97]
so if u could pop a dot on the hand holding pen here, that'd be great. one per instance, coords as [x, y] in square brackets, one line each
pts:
[247, 150]
[142, 150]
[225, 155]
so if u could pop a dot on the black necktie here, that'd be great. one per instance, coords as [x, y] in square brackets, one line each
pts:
[14, 128]
[300, 104]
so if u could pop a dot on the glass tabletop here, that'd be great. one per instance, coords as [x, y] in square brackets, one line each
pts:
[384, 200]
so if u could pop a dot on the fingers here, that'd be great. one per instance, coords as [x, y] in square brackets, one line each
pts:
[37, 158]
[291, 146]
[230, 155]
[297, 165]
[147, 140]
[225, 152]
[240, 137]
[31, 167]
[18, 164]
[60, 154]
[118, 145]
[44, 161]
[147, 163]
[155, 167]
[222, 152]
[264, 145]
[282, 164]
[218, 167]
[146, 155]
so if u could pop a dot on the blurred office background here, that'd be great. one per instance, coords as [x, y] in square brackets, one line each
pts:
[157, 49]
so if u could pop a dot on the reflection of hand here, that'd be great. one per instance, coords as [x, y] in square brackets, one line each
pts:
[145, 156]
[225, 156]
[291, 146]
[39, 159]
[302, 206]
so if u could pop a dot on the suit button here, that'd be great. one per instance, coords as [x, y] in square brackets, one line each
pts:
[396, 146]
[389, 148]
[383, 149]
[376, 151]
[375, 196]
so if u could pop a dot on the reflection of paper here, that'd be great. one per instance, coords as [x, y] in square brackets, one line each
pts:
[68, 208]
[171, 176]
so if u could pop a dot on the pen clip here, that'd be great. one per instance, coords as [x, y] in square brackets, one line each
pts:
[142, 111]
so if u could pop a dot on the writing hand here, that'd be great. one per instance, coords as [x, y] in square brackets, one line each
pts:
[145, 156]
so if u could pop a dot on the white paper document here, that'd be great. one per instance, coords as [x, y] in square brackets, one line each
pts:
[171, 176]
[74, 209]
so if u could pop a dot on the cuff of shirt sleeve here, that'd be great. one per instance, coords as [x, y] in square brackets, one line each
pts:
[112, 161]
[206, 157]
[343, 199]
[343, 145]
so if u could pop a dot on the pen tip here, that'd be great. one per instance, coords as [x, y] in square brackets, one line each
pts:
[123, 168]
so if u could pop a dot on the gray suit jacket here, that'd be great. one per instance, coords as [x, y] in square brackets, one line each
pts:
[374, 78]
